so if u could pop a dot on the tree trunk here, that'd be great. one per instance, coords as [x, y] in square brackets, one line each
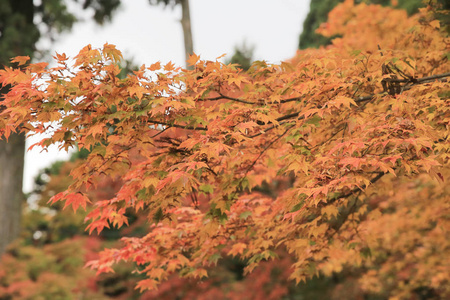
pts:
[11, 195]
[187, 32]
[18, 35]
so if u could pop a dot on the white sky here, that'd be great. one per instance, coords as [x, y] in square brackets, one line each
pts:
[151, 33]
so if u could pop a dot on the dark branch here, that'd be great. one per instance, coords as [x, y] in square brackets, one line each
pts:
[177, 125]
[414, 81]
[355, 190]
[228, 98]
[428, 78]
[295, 114]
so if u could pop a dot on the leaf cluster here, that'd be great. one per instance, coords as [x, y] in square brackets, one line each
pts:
[193, 150]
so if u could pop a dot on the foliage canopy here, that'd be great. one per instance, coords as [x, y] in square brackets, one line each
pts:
[318, 13]
[330, 133]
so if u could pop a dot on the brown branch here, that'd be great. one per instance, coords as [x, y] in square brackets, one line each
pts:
[428, 78]
[330, 138]
[290, 100]
[228, 98]
[249, 102]
[414, 81]
[176, 125]
[289, 116]
[355, 190]
[295, 114]
[353, 208]
[259, 156]
[266, 130]
[364, 99]
[161, 131]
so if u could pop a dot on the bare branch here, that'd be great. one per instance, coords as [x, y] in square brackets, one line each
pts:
[176, 125]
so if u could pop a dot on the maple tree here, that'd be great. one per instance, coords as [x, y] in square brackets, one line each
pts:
[47, 262]
[60, 249]
[318, 14]
[302, 156]
[53, 245]
[19, 35]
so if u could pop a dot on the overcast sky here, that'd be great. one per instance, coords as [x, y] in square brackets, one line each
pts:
[150, 33]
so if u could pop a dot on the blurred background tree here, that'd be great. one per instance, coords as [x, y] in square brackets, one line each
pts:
[185, 24]
[243, 56]
[318, 14]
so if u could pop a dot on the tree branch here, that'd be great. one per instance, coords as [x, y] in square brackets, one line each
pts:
[176, 125]
[357, 100]
[295, 114]
[355, 190]
[228, 98]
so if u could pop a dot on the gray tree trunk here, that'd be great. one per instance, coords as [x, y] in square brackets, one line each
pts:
[11, 195]
[17, 35]
[187, 32]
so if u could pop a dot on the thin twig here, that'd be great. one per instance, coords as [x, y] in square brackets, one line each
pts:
[259, 156]
[295, 114]
[355, 190]
[228, 98]
[177, 125]
[161, 131]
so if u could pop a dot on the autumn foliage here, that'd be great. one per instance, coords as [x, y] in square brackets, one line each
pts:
[326, 158]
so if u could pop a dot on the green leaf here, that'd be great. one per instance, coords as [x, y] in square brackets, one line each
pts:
[214, 258]
[206, 188]
[355, 52]
[366, 252]
[297, 206]
[315, 120]
[158, 216]
[245, 215]
[100, 150]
